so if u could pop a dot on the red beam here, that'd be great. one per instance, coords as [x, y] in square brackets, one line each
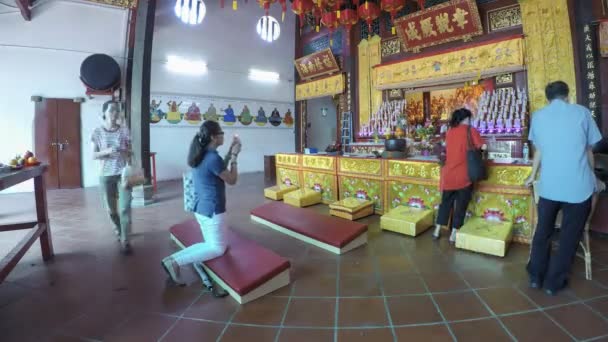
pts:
[24, 7]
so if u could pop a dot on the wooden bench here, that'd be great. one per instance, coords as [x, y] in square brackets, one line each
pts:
[330, 233]
[247, 270]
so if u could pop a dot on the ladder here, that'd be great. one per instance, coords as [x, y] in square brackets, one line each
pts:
[346, 131]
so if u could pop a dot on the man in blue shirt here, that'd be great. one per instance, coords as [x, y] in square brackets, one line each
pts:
[563, 135]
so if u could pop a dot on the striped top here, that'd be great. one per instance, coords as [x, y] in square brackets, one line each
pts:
[120, 138]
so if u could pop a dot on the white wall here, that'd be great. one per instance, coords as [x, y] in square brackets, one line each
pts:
[228, 42]
[42, 57]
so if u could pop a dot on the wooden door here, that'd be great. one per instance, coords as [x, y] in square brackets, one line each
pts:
[68, 140]
[45, 137]
[57, 142]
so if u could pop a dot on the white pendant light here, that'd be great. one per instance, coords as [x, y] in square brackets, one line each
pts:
[190, 11]
[268, 28]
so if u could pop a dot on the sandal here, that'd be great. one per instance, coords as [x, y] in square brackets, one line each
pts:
[167, 264]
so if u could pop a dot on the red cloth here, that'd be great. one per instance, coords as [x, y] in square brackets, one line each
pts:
[454, 173]
[245, 265]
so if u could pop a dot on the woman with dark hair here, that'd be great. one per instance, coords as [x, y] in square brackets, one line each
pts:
[112, 147]
[209, 175]
[455, 185]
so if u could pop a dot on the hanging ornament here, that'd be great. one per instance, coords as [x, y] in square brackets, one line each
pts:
[283, 9]
[349, 18]
[265, 4]
[337, 4]
[369, 12]
[234, 5]
[392, 7]
[330, 20]
[316, 13]
[301, 7]
[421, 4]
[190, 11]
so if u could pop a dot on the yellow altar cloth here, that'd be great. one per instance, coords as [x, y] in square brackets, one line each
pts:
[407, 220]
[484, 236]
[302, 198]
[278, 191]
[352, 208]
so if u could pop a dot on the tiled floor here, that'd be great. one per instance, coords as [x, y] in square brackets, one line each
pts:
[395, 288]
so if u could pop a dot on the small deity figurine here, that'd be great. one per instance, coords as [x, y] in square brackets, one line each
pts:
[229, 117]
[517, 123]
[275, 118]
[288, 119]
[500, 127]
[155, 113]
[261, 119]
[174, 116]
[193, 113]
[211, 113]
[245, 118]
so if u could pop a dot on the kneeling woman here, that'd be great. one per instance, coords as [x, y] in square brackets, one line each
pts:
[209, 174]
[456, 188]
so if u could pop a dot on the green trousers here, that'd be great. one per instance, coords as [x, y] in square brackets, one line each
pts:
[117, 200]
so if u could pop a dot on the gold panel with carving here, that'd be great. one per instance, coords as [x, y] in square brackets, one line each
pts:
[507, 175]
[319, 162]
[371, 167]
[414, 169]
[288, 159]
[390, 47]
[504, 18]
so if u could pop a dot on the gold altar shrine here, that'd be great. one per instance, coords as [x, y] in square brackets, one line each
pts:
[393, 182]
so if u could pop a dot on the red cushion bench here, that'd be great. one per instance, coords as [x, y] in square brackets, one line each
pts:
[333, 234]
[247, 270]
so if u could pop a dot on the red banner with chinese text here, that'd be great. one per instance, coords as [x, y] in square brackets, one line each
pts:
[317, 64]
[450, 21]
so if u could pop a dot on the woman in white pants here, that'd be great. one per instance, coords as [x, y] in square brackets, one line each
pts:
[210, 173]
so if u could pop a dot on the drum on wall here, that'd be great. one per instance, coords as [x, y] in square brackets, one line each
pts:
[100, 73]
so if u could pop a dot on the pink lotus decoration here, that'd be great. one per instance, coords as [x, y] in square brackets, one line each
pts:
[521, 219]
[287, 182]
[494, 215]
[317, 187]
[397, 201]
[416, 202]
[361, 194]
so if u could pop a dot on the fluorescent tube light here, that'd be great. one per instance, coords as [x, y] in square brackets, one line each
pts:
[184, 66]
[260, 75]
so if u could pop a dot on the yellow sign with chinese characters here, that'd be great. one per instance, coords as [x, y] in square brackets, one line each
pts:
[464, 64]
[549, 52]
[328, 86]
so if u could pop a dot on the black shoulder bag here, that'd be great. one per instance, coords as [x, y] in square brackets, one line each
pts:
[475, 165]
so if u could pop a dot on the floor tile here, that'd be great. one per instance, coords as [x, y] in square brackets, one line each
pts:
[434, 333]
[143, 327]
[580, 321]
[361, 312]
[505, 300]
[357, 285]
[191, 330]
[306, 335]
[402, 284]
[444, 282]
[264, 311]
[461, 306]
[236, 333]
[413, 310]
[481, 330]
[545, 329]
[311, 313]
[318, 286]
[214, 309]
[365, 335]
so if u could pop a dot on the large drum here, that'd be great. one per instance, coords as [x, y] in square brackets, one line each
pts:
[100, 72]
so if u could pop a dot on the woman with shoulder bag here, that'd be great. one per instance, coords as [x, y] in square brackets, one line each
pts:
[462, 141]
[209, 174]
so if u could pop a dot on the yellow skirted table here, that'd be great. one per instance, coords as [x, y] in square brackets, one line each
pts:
[352, 208]
[391, 183]
[407, 220]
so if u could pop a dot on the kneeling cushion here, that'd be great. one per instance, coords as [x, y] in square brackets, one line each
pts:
[407, 220]
[244, 267]
[303, 198]
[278, 191]
[483, 236]
[351, 208]
[334, 234]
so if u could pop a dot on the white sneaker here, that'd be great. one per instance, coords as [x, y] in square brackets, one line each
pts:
[453, 236]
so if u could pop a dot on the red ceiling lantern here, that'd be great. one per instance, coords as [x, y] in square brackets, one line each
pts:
[301, 7]
[369, 11]
[316, 13]
[265, 4]
[421, 4]
[337, 4]
[392, 7]
[349, 18]
[330, 20]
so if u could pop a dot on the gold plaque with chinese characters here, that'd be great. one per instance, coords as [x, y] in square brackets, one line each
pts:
[504, 18]
[447, 22]
[317, 64]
